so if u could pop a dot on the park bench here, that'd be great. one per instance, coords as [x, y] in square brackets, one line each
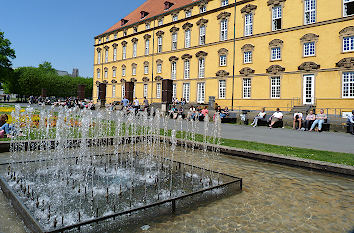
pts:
[265, 122]
[231, 118]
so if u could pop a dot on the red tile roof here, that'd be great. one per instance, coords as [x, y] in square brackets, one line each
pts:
[153, 7]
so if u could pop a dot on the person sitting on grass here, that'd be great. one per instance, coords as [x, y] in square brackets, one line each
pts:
[297, 118]
[320, 118]
[310, 118]
[260, 116]
[276, 117]
[350, 122]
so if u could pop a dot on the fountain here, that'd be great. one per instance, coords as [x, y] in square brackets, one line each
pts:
[87, 170]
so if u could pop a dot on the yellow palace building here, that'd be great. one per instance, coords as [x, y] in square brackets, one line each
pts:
[245, 54]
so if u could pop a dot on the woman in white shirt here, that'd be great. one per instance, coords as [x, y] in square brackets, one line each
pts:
[260, 115]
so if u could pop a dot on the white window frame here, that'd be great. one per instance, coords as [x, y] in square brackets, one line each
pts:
[348, 83]
[188, 13]
[348, 44]
[124, 52]
[174, 40]
[310, 11]
[275, 54]
[159, 68]
[147, 26]
[159, 44]
[222, 89]
[174, 18]
[115, 54]
[134, 70]
[246, 88]
[187, 38]
[247, 57]
[201, 67]
[186, 91]
[186, 73]
[248, 24]
[277, 13]
[147, 46]
[113, 91]
[124, 71]
[224, 3]
[160, 22]
[106, 73]
[202, 9]
[202, 32]
[99, 57]
[223, 60]
[173, 70]
[135, 45]
[158, 90]
[275, 84]
[200, 93]
[106, 55]
[344, 7]
[123, 90]
[114, 73]
[115, 35]
[146, 69]
[146, 90]
[174, 90]
[98, 73]
[309, 49]
[223, 29]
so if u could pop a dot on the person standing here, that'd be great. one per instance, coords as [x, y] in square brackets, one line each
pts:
[350, 122]
[136, 105]
[320, 118]
[146, 103]
[125, 102]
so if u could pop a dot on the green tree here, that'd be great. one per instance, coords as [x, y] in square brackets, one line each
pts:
[6, 55]
[46, 67]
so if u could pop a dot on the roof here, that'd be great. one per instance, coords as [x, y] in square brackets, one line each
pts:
[153, 7]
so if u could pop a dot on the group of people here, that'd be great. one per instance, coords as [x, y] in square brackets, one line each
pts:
[175, 101]
[310, 121]
[6, 98]
[132, 106]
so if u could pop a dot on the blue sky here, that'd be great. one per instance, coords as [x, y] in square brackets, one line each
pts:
[59, 31]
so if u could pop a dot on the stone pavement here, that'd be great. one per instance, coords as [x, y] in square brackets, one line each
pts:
[328, 141]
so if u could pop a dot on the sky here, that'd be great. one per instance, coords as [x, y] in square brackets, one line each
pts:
[59, 31]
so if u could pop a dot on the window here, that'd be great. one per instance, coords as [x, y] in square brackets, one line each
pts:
[99, 57]
[99, 41]
[174, 41]
[222, 89]
[115, 36]
[98, 90]
[174, 90]
[173, 70]
[246, 88]
[125, 33]
[187, 38]
[158, 90]
[276, 18]
[247, 57]
[174, 17]
[134, 49]
[145, 90]
[275, 87]
[114, 91]
[105, 73]
[186, 69]
[222, 60]
[114, 73]
[146, 69]
[159, 68]
[186, 91]
[309, 49]
[135, 29]
[310, 11]
[123, 90]
[201, 93]
[115, 54]
[147, 26]
[123, 71]
[98, 73]
[202, 35]
[348, 7]
[223, 29]
[348, 44]
[188, 14]
[224, 2]
[106, 55]
[147, 45]
[159, 44]
[107, 38]
[124, 52]
[201, 67]
[248, 24]
[133, 70]
[275, 54]
[160, 22]
[348, 84]
[202, 9]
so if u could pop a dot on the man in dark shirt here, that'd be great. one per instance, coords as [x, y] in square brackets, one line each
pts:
[350, 122]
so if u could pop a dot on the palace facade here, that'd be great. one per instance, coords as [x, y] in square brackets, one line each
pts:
[247, 54]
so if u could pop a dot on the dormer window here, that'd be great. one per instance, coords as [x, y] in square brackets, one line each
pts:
[123, 21]
[125, 33]
[135, 29]
[143, 14]
[168, 5]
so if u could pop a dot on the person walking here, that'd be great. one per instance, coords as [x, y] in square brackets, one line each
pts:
[136, 105]
[125, 102]
[146, 103]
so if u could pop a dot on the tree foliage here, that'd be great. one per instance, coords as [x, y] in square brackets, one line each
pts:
[6, 54]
